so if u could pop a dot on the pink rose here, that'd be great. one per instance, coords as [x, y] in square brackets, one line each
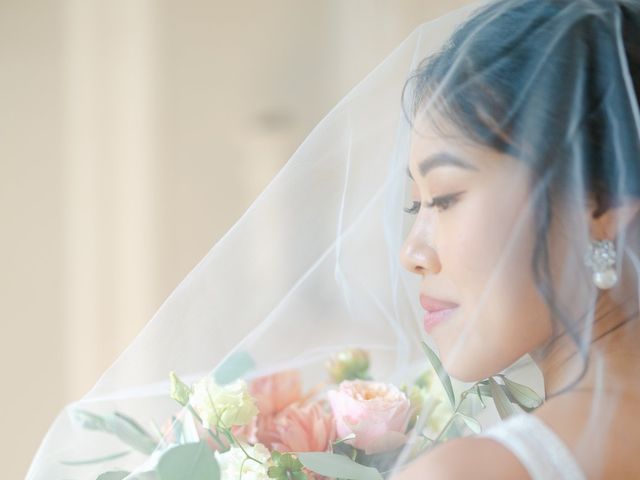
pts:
[274, 392]
[298, 428]
[377, 413]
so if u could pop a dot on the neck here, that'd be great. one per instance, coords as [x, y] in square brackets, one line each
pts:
[613, 354]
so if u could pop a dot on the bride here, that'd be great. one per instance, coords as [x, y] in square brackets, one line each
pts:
[525, 159]
[515, 152]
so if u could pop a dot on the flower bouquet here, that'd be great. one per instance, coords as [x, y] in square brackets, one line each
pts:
[348, 427]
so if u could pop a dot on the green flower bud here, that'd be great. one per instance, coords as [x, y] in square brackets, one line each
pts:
[349, 365]
[180, 391]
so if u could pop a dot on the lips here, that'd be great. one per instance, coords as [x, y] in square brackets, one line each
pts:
[435, 305]
[437, 311]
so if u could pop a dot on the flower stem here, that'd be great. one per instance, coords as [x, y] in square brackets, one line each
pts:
[211, 434]
[234, 440]
[463, 396]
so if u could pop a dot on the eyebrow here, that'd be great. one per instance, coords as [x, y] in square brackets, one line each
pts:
[439, 160]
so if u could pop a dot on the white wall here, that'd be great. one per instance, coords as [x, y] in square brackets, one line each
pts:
[133, 133]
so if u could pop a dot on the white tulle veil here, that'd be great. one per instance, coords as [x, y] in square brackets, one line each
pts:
[314, 267]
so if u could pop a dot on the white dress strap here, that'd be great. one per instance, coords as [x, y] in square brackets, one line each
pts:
[543, 454]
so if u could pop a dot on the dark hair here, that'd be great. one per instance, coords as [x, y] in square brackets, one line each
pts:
[492, 82]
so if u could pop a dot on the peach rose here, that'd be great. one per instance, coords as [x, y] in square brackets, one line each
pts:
[377, 413]
[298, 428]
[274, 392]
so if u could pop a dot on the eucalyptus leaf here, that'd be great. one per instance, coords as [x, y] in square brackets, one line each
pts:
[88, 420]
[193, 461]
[233, 367]
[189, 431]
[471, 422]
[479, 393]
[351, 436]
[337, 466]
[144, 476]
[500, 399]
[162, 442]
[132, 423]
[130, 432]
[177, 428]
[486, 391]
[119, 424]
[524, 396]
[442, 374]
[105, 458]
[114, 475]
[381, 461]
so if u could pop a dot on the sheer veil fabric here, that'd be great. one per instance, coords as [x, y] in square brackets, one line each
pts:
[519, 123]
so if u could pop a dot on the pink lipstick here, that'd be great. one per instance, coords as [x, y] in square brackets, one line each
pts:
[436, 311]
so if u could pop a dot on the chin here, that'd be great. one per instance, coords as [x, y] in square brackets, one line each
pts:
[470, 369]
[467, 375]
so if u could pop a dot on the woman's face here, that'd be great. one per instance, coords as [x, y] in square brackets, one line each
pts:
[472, 242]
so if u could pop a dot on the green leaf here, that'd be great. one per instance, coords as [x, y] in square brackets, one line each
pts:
[188, 430]
[503, 405]
[119, 424]
[96, 460]
[486, 391]
[285, 467]
[337, 466]
[471, 422]
[523, 395]
[114, 475]
[276, 472]
[233, 367]
[130, 432]
[192, 461]
[89, 420]
[442, 374]
[144, 476]
[289, 462]
[351, 436]
[479, 393]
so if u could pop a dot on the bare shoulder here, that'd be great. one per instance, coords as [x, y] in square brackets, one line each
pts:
[463, 458]
[605, 444]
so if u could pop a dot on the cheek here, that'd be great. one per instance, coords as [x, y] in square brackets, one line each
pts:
[472, 238]
[486, 247]
[486, 254]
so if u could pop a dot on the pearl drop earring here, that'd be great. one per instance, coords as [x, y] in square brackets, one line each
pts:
[601, 258]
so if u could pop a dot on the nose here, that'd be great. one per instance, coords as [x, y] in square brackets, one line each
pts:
[417, 255]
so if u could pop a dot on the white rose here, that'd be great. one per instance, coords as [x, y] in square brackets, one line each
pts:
[223, 405]
[234, 459]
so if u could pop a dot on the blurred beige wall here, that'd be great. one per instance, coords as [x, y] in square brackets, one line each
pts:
[133, 133]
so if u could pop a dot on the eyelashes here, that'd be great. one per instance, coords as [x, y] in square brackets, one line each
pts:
[440, 203]
[413, 209]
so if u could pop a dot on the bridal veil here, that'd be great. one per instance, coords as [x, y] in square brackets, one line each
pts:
[547, 88]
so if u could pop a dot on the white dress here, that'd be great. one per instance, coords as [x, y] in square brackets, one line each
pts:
[538, 448]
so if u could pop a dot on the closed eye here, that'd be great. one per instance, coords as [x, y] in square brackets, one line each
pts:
[444, 202]
[440, 203]
[413, 209]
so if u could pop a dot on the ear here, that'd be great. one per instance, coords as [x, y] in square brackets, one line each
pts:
[614, 220]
